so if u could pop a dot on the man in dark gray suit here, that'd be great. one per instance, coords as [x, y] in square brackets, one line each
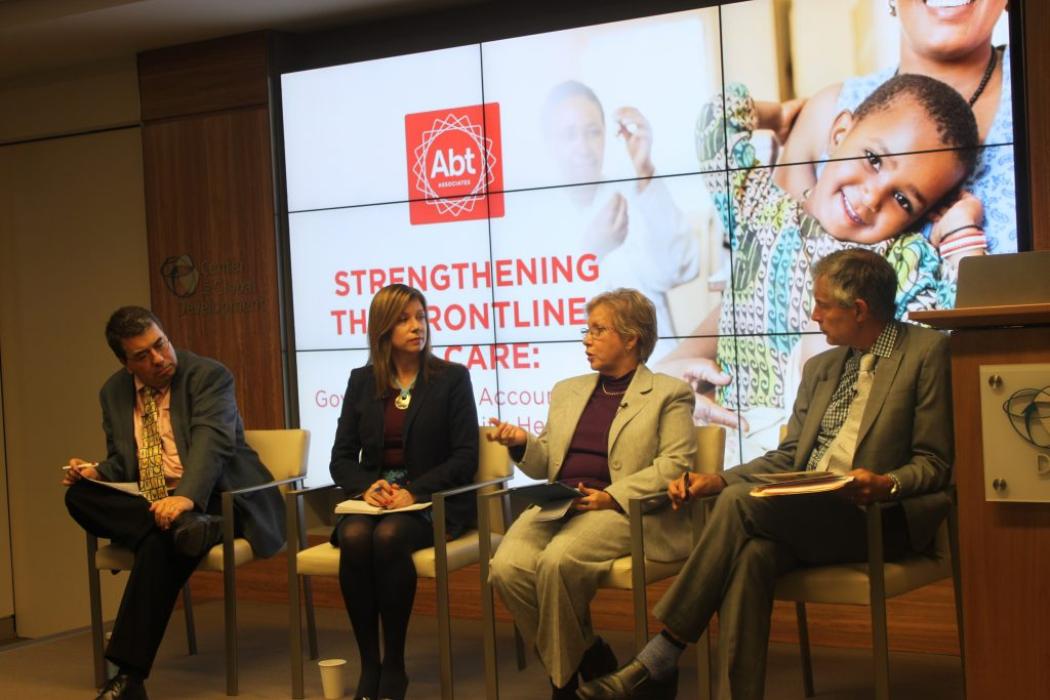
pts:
[901, 446]
[173, 428]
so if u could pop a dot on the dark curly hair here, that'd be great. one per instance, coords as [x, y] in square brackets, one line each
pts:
[946, 108]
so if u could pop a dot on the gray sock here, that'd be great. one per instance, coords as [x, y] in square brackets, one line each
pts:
[660, 656]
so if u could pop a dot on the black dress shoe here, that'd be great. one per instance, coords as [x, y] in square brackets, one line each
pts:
[598, 661]
[368, 683]
[196, 533]
[631, 681]
[123, 687]
[393, 685]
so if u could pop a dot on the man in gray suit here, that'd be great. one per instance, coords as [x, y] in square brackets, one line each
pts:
[172, 427]
[900, 449]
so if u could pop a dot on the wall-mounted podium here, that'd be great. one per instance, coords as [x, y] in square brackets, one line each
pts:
[1004, 541]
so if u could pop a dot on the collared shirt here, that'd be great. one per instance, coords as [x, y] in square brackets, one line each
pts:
[835, 415]
[170, 458]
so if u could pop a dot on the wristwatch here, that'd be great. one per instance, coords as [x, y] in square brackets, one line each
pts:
[896, 488]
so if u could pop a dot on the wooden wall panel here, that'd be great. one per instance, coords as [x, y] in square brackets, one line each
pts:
[212, 248]
[207, 76]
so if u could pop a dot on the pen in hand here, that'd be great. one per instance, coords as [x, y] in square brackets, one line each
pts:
[685, 480]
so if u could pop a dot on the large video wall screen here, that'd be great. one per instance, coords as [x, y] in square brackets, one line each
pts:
[513, 180]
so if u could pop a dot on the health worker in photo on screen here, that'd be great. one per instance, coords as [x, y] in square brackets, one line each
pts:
[408, 429]
[618, 432]
[635, 229]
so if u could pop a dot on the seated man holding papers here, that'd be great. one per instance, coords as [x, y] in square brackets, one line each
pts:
[174, 440]
[876, 408]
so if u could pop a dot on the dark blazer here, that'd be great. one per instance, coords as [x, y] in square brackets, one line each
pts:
[440, 439]
[209, 436]
[906, 428]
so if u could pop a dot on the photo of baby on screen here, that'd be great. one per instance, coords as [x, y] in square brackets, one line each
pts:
[900, 154]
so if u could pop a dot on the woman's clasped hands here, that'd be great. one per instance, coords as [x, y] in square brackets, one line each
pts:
[383, 494]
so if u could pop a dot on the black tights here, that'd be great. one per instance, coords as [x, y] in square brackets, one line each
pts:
[378, 580]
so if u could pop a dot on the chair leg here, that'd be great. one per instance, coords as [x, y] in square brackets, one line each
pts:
[519, 649]
[444, 637]
[191, 629]
[877, 599]
[295, 629]
[98, 651]
[229, 591]
[880, 647]
[230, 586]
[488, 606]
[704, 691]
[803, 647]
[311, 618]
[641, 617]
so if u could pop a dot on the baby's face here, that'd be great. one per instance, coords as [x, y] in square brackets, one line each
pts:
[876, 192]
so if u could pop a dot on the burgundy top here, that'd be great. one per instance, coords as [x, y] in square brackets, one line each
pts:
[393, 430]
[588, 456]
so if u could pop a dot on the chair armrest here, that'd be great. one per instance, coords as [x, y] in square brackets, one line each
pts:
[260, 487]
[311, 489]
[468, 488]
[648, 502]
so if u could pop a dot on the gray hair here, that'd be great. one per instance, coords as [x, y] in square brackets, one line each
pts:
[856, 273]
[634, 316]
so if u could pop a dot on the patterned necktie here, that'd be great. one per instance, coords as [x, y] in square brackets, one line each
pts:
[151, 461]
[839, 455]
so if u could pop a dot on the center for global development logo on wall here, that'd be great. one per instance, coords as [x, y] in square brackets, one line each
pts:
[454, 159]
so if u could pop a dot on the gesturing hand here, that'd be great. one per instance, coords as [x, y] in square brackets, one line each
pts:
[506, 434]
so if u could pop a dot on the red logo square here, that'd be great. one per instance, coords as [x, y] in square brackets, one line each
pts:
[454, 161]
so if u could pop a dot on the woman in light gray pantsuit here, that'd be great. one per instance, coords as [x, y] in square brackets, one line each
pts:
[615, 434]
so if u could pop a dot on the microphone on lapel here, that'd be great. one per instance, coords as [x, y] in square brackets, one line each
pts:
[623, 404]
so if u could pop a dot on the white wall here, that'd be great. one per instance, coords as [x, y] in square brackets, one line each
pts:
[72, 248]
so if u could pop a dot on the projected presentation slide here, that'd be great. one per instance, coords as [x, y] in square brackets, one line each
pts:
[707, 158]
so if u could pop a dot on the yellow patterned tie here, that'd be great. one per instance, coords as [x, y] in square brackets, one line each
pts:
[151, 461]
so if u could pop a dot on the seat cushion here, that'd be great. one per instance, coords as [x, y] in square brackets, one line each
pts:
[848, 583]
[114, 557]
[619, 576]
[323, 559]
[242, 554]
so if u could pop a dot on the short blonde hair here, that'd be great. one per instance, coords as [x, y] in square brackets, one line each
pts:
[634, 316]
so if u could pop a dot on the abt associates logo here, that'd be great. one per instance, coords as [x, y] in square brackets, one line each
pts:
[454, 160]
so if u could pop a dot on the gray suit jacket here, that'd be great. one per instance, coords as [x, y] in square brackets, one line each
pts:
[209, 436]
[906, 428]
[651, 442]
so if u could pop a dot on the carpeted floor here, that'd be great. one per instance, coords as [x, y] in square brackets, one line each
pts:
[60, 667]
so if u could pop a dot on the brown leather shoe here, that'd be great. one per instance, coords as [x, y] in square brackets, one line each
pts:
[631, 681]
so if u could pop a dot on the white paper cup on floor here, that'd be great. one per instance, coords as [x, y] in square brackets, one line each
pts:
[333, 678]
